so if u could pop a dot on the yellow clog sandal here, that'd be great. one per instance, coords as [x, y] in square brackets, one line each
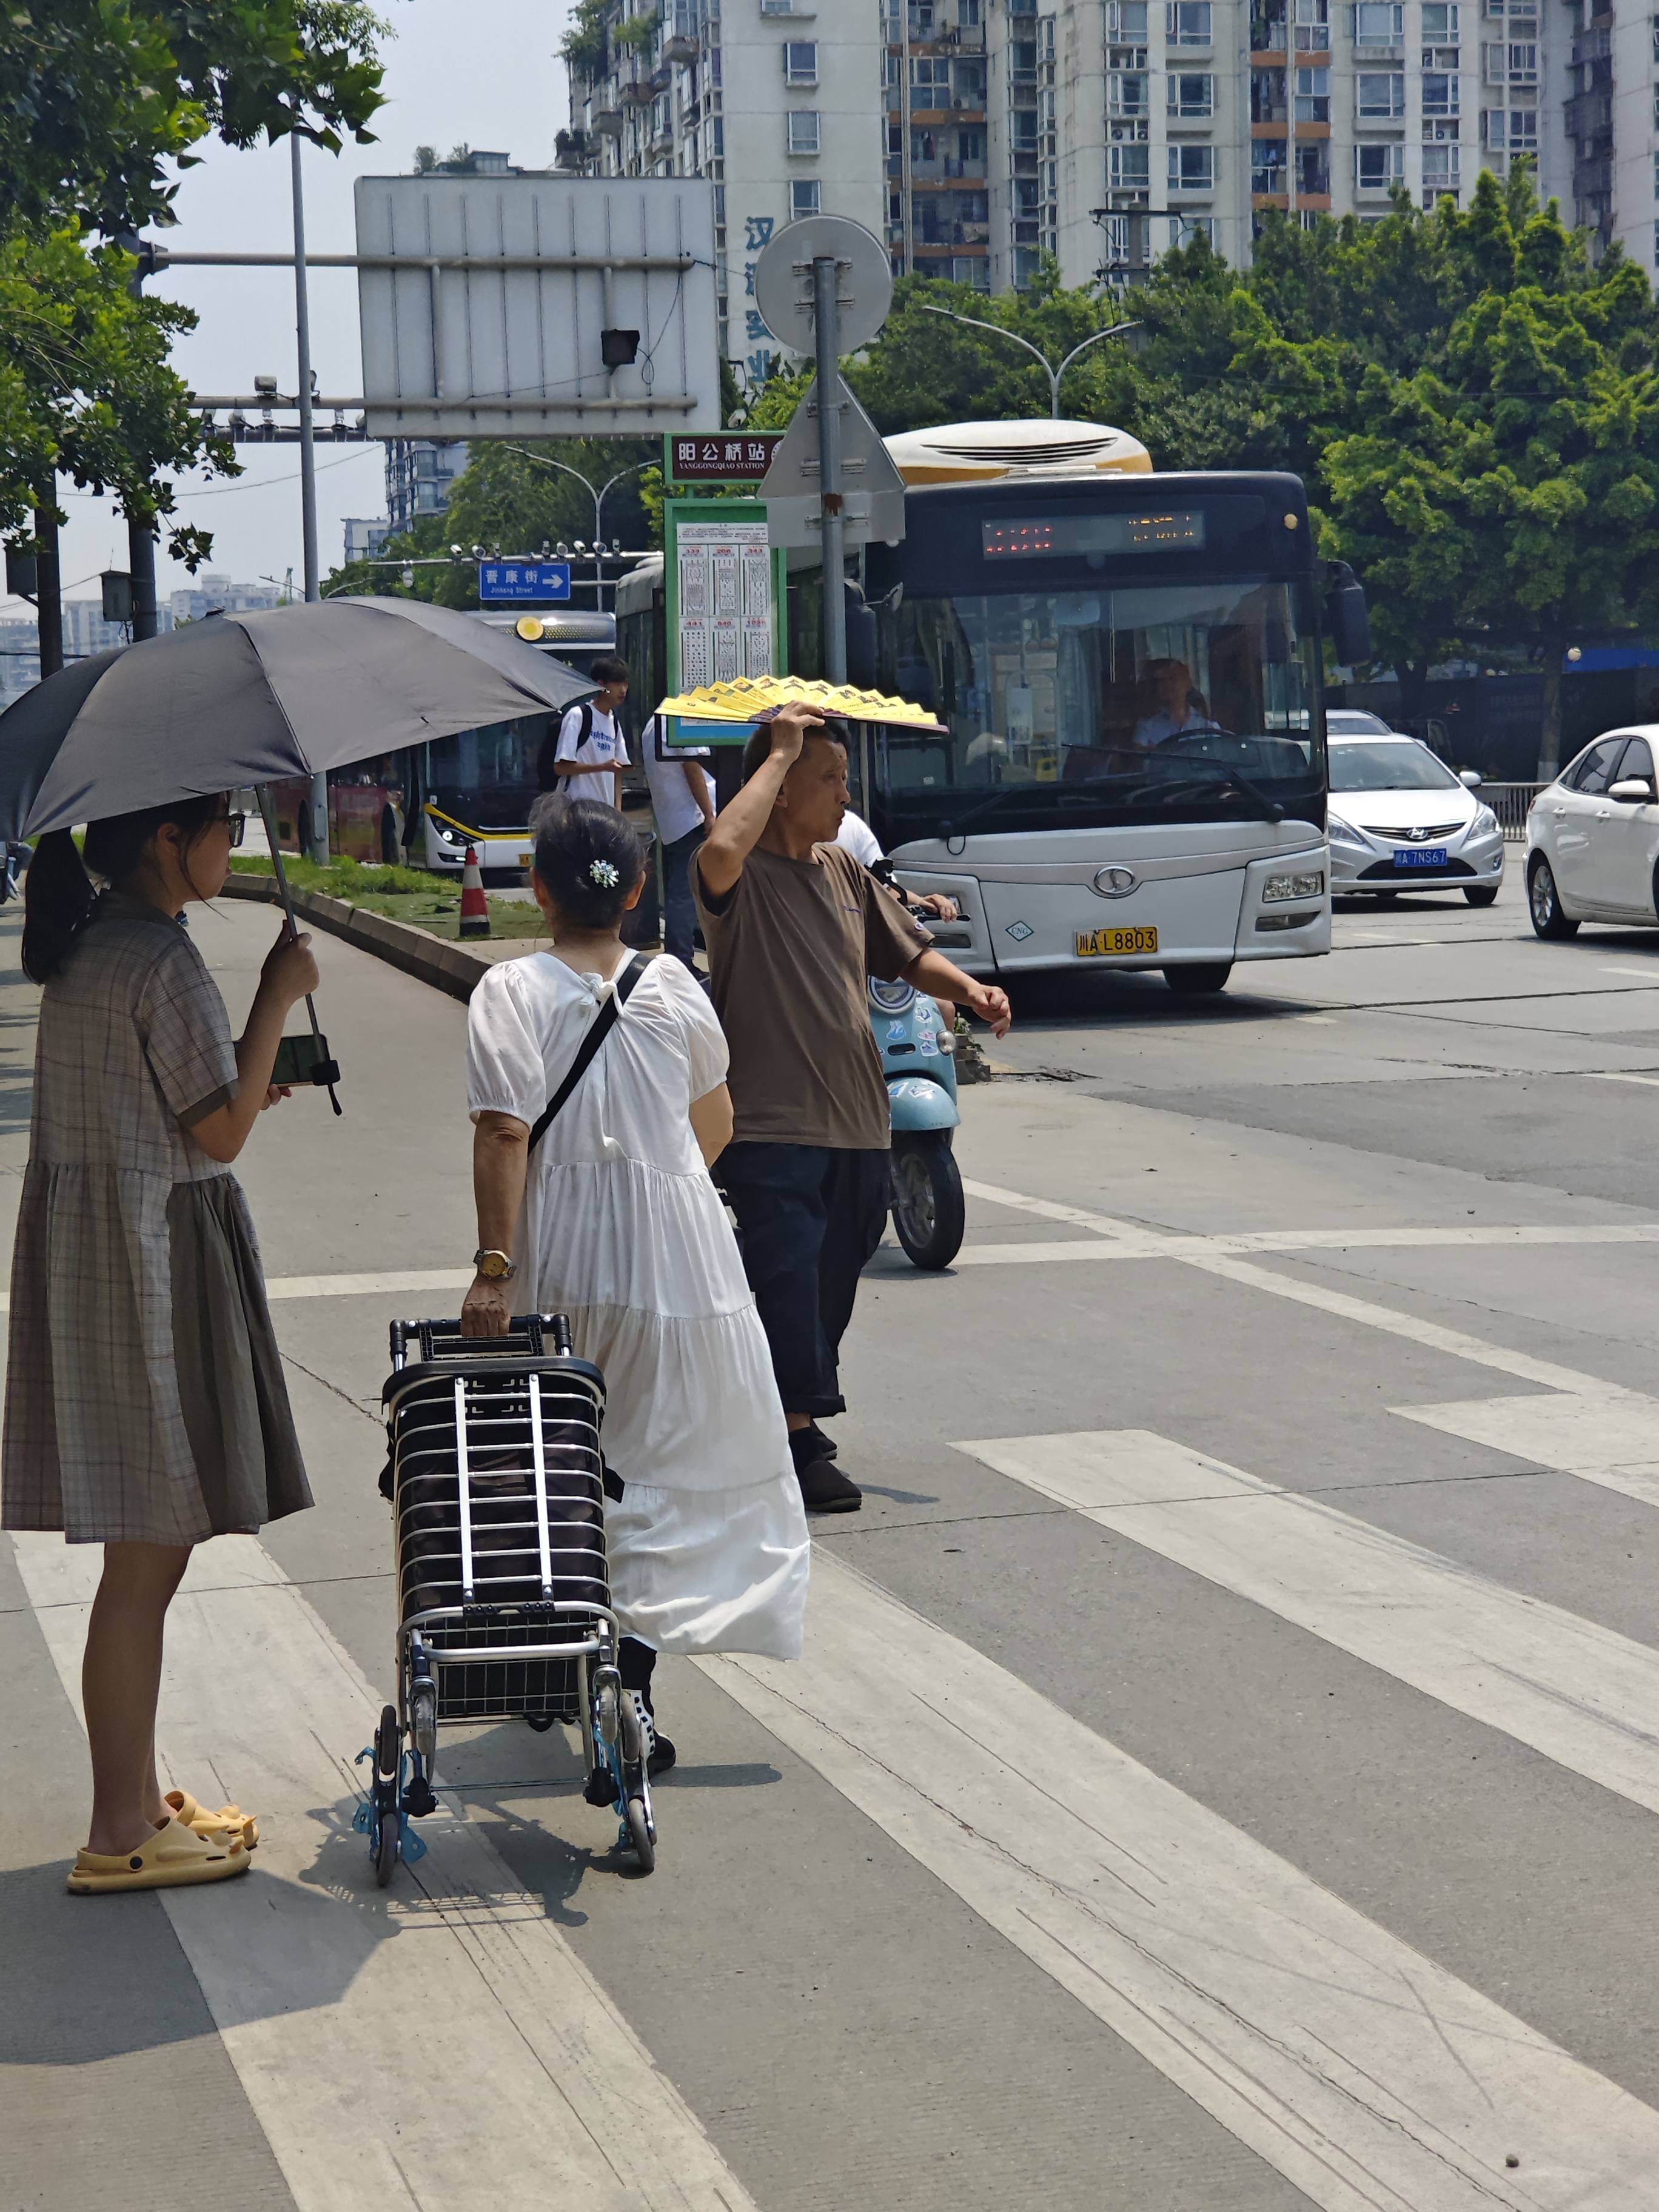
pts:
[206, 1823]
[173, 1858]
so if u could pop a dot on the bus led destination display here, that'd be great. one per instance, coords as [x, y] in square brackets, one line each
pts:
[1025, 536]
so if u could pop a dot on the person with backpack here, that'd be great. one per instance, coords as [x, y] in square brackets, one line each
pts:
[683, 806]
[594, 1200]
[586, 756]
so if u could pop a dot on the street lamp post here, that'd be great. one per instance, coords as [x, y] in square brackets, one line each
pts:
[597, 493]
[972, 323]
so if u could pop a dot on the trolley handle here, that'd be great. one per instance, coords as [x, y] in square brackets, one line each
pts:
[564, 1344]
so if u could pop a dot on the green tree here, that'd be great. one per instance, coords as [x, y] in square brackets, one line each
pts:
[85, 389]
[97, 95]
[515, 498]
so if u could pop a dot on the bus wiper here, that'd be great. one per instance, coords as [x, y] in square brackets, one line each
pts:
[955, 827]
[1272, 810]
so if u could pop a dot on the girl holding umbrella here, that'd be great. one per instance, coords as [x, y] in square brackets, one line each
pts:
[145, 1404]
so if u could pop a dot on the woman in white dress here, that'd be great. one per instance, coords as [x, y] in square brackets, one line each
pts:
[612, 1218]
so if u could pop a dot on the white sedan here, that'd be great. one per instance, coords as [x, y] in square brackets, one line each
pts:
[1401, 821]
[1593, 837]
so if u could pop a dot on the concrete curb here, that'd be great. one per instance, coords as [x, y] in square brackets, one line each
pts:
[450, 967]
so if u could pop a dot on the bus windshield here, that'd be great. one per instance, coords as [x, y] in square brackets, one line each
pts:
[486, 778]
[1189, 700]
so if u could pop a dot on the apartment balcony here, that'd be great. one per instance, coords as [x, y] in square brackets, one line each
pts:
[607, 122]
[637, 92]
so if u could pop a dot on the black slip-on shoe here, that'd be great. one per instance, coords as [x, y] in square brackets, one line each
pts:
[825, 1489]
[828, 1448]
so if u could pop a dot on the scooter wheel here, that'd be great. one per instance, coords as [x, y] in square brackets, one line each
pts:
[929, 1211]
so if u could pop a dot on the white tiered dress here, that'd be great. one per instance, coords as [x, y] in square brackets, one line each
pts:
[623, 1230]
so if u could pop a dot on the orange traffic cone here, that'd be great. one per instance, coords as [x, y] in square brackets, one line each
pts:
[475, 908]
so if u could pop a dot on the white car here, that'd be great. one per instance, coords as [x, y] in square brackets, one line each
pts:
[1593, 837]
[1401, 821]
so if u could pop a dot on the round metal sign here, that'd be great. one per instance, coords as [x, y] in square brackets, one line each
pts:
[783, 282]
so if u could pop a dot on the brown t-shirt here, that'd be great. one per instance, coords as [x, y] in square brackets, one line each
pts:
[789, 948]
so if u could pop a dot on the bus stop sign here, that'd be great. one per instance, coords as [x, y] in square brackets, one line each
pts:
[523, 583]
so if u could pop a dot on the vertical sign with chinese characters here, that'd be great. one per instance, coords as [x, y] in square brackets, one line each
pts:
[724, 592]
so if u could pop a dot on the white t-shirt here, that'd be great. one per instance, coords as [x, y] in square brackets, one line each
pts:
[857, 837]
[604, 747]
[673, 800]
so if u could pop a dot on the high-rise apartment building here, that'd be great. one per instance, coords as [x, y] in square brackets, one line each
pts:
[938, 189]
[1105, 132]
[780, 105]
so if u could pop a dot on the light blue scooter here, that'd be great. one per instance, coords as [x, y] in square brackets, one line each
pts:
[929, 1210]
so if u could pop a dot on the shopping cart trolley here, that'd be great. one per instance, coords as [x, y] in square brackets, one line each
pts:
[503, 1588]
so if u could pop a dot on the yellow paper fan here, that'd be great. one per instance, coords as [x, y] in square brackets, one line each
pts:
[745, 697]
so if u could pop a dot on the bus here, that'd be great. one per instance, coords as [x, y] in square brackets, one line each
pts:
[426, 804]
[1129, 668]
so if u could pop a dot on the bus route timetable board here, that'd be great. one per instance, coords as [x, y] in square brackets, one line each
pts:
[724, 590]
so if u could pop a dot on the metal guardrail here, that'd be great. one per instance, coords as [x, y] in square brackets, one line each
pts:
[1510, 803]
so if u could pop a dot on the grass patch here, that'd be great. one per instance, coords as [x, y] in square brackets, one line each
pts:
[343, 878]
[429, 902]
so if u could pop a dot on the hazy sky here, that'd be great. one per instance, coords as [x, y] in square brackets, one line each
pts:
[484, 71]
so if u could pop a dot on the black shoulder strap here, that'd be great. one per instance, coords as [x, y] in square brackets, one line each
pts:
[603, 1021]
[585, 726]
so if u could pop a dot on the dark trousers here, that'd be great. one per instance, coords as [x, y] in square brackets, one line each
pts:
[679, 910]
[810, 1218]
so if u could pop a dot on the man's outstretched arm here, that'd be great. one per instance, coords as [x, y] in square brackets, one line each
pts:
[940, 978]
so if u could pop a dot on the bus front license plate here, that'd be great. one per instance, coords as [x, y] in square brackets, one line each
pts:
[525, 859]
[1102, 944]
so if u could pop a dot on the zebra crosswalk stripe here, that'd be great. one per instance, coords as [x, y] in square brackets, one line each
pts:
[1366, 2074]
[438, 2042]
[1582, 1694]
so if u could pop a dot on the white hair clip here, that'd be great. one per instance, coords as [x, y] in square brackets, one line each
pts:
[603, 874]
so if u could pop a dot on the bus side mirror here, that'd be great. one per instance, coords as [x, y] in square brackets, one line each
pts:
[862, 651]
[1351, 622]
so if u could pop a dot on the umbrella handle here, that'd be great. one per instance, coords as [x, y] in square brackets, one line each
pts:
[267, 815]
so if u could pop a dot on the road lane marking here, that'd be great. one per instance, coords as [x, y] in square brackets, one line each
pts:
[1582, 1694]
[442, 2030]
[1611, 1441]
[1612, 1075]
[1365, 2074]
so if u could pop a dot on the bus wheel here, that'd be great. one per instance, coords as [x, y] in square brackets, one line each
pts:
[1202, 977]
[389, 851]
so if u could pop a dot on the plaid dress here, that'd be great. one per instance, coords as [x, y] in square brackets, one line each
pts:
[144, 1394]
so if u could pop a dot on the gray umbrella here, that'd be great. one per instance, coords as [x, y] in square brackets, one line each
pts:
[259, 698]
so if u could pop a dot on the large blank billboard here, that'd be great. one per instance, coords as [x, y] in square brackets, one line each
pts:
[486, 300]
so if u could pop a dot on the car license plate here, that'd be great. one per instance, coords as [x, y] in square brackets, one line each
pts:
[1419, 856]
[1101, 944]
[525, 859]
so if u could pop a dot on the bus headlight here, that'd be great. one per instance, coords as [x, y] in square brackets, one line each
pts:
[1278, 888]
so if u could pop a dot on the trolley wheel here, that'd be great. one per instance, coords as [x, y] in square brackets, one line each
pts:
[391, 1846]
[423, 1720]
[640, 1837]
[540, 1721]
[388, 1744]
[928, 1211]
[607, 1712]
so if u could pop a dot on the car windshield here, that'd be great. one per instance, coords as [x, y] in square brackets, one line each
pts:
[1400, 764]
[1072, 709]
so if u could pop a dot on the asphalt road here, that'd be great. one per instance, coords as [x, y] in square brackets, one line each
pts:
[1221, 1774]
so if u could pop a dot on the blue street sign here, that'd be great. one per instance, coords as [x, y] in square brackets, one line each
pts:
[533, 582]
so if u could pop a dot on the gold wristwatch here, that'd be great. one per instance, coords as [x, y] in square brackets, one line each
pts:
[495, 1266]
